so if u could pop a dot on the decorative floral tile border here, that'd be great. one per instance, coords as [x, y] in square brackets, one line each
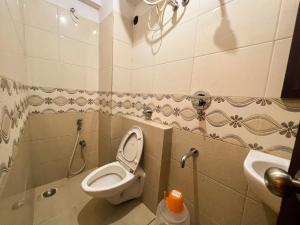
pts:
[13, 116]
[266, 124]
[59, 100]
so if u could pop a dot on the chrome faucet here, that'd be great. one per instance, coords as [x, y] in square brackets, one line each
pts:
[147, 113]
[193, 152]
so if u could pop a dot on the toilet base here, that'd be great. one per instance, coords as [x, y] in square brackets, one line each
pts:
[133, 191]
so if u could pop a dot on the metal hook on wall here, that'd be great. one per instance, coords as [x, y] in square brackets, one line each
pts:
[73, 15]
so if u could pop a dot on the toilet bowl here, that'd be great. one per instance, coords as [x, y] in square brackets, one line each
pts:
[123, 179]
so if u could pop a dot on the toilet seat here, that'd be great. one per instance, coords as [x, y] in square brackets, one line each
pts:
[130, 149]
[107, 180]
[113, 178]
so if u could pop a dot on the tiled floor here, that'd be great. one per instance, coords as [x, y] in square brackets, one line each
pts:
[71, 206]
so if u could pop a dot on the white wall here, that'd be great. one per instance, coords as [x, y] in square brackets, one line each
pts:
[59, 52]
[81, 8]
[12, 47]
[239, 48]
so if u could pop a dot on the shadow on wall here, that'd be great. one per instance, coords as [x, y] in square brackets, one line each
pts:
[228, 41]
[124, 7]
[159, 25]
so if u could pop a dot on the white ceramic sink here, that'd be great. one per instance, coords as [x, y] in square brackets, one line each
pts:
[255, 165]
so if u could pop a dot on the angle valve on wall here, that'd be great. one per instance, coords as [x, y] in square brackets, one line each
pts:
[201, 101]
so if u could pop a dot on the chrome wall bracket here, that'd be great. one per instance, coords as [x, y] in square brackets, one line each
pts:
[192, 153]
[201, 100]
[147, 112]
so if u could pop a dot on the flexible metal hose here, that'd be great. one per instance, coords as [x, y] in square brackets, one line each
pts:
[70, 172]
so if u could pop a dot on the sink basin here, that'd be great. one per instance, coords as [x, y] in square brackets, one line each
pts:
[255, 165]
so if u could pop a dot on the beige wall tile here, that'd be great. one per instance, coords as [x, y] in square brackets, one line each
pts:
[105, 79]
[209, 197]
[9, 38]
[85, 30]
[70, 50]
[227, 73]
[104, 125]
[121, 79]
[181, 178]
[39, 13]
[46, 153]
[92, 140]
[196, 217]
[90, 122]
[218, 202]
[142, 55]
[41, 43]
[176, 44]
[13, 66]
[258, 214]
[117, 129]
[45, 41]
[219, 160]
[56, 144]
[50, 171]
[142, 80]
[20, 30]
[278, 67]
[12, 62]
[232, 25]
[122, 54]
[106, 53]
[78, 77]
[43, 151]
[287, 18]
[60, 124]
[151, 195]
[106, 43]
[173, 76]
[105, 154]
[16, 10]
[43, 72]
[122, 29]
[73, 76]
[206, 6]
[115, 144]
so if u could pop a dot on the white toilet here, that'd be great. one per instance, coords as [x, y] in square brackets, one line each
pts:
[123, 179]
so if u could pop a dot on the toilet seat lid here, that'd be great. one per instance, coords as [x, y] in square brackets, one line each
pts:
[131, 148]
